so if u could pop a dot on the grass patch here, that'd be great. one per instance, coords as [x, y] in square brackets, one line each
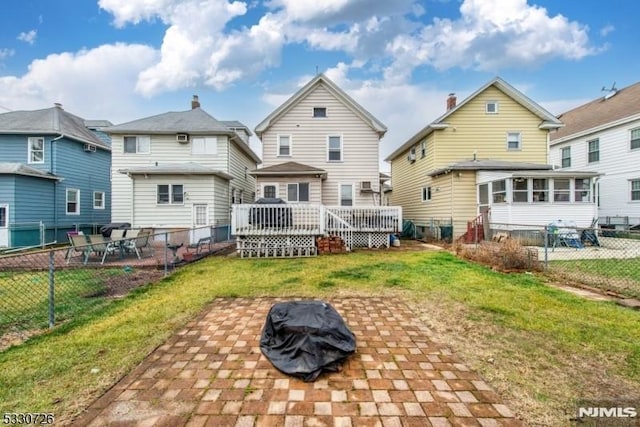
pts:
[618, 275]
[541, 340]
[25, 295]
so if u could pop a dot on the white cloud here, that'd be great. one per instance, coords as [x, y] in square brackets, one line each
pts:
[87, 83]
[488, 36]
[28, 37]
[5, 53]
[604, 31]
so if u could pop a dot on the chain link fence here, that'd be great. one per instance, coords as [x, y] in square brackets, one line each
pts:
[432, 229]
[606, 259]
[43, 288]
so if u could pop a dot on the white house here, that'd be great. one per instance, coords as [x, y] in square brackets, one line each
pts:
[320, 146]
[320, 156]
[180, 170]
[604, 136]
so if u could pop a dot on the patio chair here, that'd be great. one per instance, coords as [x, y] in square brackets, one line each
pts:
[137, 241]
[102, 247]
[117, 235]
[79, 245]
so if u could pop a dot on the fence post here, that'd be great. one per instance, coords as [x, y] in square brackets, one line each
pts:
[52, 292]
[166, 254]
[546, 248]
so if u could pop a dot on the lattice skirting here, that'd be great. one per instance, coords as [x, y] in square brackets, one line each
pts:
[370, 240]
[276, 246]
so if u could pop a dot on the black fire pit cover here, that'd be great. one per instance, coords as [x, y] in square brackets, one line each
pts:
[306, 338]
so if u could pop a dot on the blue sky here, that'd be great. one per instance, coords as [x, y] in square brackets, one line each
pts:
[121, 60]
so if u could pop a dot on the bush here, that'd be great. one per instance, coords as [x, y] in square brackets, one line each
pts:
[508, 255]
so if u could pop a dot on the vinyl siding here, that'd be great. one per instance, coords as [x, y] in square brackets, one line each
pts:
[147, 213]
[360, 144]
[617, 162]
[7, 194]
[239, 167]
[222, 202]
[471, 131]
[34, 200]
[315, 187]
[164, 150]
[88, 172]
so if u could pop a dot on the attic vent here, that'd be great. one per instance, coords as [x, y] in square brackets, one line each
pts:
[182, 138]
[89, 147]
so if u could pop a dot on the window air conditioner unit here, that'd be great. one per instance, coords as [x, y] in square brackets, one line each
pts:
[182, 138]
[365, 185]
[411, 157]
[89, 147]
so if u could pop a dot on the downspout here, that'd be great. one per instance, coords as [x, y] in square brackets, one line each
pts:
[55, 187]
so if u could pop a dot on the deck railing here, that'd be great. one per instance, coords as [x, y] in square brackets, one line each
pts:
[303, 219]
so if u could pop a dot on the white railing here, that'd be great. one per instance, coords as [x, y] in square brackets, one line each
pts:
[301, 219]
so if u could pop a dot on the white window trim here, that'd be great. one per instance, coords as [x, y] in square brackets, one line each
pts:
[103, 200]
[137, 137]
[171, 202]
[194, 208]
[266, 184]
[423, 149]
[326, 111]
[589, 162]
[207, 139]
[486, 107]
[519, 140]
[66, 204]
[6, 216]
[341, 148]
[428, 192]
[568, 147]
[297, 184]
[630, 134]
[290, 146]
[630, 190]
[353, 193]
[29, 150]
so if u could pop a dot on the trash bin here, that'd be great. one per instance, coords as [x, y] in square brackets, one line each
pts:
[446, 233]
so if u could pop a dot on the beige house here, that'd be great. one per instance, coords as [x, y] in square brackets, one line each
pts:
[180, 170]
[486, 155]
[320, 146]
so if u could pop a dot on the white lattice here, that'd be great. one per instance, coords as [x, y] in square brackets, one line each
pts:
[276, 246]
[370, 240]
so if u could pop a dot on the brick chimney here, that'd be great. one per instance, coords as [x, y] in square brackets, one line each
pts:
[451, 101]
[194, 102]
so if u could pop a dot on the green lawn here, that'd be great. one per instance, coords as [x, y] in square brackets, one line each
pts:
[618, 275]
[24, 296]
[540, 347]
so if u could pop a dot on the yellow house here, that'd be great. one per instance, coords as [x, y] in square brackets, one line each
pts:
[487, 154]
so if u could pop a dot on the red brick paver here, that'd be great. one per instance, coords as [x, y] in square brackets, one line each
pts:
[212, 373]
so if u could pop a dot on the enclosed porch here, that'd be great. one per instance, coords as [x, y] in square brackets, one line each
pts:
[289, 230]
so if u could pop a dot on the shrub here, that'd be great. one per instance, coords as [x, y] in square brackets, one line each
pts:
[508, 255]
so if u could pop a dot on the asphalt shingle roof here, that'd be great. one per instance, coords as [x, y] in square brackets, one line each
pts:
[49, 121]
[191, 121]
[606, 109]
[288, 168]
[8, 168]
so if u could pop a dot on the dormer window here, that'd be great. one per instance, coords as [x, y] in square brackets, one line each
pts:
[491, 107]
[319, 112]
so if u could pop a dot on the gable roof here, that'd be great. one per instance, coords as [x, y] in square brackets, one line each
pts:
[8, 168]
[289, 168]
[49, 121]
[549, 121]
[195, 121]
[606, 111]
[338, 93]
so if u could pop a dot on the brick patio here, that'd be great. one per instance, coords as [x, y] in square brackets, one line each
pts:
[212, 373]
